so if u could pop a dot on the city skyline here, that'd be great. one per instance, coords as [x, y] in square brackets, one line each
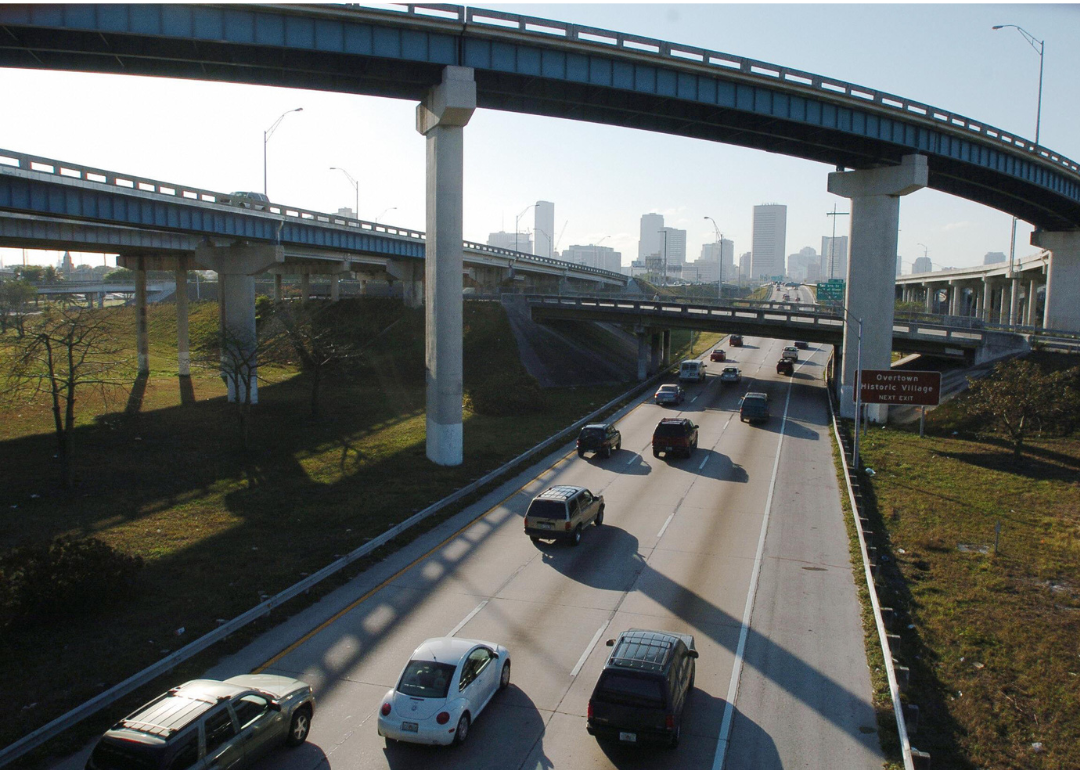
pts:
[601, 178]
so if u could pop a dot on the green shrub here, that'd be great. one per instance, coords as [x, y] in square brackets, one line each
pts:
[65, 578]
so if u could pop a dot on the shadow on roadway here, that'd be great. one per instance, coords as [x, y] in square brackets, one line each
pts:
[511, 723]
[716, 465]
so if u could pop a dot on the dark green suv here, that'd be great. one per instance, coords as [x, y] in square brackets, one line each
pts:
[602, 438]
[643, 690]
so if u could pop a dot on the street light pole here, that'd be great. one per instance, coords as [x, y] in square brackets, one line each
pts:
[392, 208]
[266, 138]
[720, 244]
[663, 278]
[518, 219]
[356, 187]
[832, 241]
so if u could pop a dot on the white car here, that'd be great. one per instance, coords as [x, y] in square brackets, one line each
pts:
[442, 690]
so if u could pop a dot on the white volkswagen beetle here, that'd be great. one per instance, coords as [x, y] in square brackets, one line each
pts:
[444, 687]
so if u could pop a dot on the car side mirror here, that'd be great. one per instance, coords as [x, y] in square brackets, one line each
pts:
[610, 642]
[275, 705]
[692, 653]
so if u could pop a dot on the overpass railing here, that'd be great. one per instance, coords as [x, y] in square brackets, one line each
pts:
[128, 183]
[752, 70]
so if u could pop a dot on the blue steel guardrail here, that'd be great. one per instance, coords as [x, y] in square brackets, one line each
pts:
[46, 732]
[189, 194]
[752, 70]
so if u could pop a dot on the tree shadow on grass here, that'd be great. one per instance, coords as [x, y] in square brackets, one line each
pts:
[1055, 466]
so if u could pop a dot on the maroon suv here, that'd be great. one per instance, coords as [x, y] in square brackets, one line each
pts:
[673, 436]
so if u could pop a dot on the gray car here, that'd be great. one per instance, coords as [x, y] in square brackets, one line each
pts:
[206, 724]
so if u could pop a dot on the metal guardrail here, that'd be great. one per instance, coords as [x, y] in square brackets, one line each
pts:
[750, 69]
[196, 195]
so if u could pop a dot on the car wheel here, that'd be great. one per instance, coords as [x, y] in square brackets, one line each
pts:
[575, 538]
[300, 726]
[462, 731]
[600, 516]
[504, 677]
[674, 741]
[618, 446]
[607, 451]
[656, 453]
[581, 453]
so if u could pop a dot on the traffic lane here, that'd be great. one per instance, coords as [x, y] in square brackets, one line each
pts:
[806, 681]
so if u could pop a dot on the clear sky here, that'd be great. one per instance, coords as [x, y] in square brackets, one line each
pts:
[601, 178]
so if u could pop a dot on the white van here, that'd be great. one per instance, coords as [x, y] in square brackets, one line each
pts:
[692, 371]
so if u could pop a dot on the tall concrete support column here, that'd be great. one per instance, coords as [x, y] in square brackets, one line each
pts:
[1032, 300]
[183, 346]
[930, 292]
[871, 270]
[278, 295]
[1062, 278]
[335, 288]
[305, 287]
[1014, 300]
[987, 300]
[666, 355]
[442, 118]
[142, 339]
[237, 266]
[657, 347]
[955, 292]
[411, 275]
[642, 356]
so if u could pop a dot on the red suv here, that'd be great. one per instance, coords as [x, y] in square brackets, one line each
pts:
[675, 435]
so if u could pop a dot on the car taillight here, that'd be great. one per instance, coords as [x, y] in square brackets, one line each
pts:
[443, 717]
[669, 722]
[386, 709]
[566, 526]
[588, 712]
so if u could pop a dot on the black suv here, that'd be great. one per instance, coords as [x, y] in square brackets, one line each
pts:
[674, 435]
[602, 438]
[642, 692]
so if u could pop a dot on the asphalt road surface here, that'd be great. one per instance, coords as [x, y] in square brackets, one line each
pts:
[742, 545]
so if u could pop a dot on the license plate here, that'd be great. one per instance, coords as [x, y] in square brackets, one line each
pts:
[546, 524]
[628, 737]
[410, 727]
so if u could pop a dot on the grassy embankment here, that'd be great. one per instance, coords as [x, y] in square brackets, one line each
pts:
[220, 528]
[989, 631]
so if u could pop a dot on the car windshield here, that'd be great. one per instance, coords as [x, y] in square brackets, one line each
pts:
[547, 509]
[426, 679]
[670, 429]
[627, 688]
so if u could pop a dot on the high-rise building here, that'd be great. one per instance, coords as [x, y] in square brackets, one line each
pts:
[834, 257]
[993, 257]
[708, 264]
[649, 244]
[922, 265]
[513, 241]
[799, 263]
[673, 245]
[770, 241]
[544, 226]
[744, 266]
[594, 256]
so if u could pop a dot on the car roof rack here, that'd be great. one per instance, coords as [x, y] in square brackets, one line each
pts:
[645, 650]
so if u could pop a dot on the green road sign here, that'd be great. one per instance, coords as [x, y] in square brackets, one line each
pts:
[831, 290]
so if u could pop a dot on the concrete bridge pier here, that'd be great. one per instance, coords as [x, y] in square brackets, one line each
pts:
[411, 276]
[441, 118]
[279, 295]
[142, 337]
[305, 287]
[183, 350]
[180, 266]
[1031, 301]
[1062, 309]
[666, 355]
[956, 291]
[236, 266]
[987, 305]
[656, 346]
[871, 271]
[642, 354]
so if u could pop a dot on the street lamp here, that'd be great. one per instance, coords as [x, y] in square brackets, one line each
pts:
[356, 187]
[518, 219]
[720, 245]
[1038, 120]
[266, 138]
[392, 208]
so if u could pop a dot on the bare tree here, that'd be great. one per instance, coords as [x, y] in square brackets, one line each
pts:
[237, 359]
[306, 330]
[64, 352]
[15, 299]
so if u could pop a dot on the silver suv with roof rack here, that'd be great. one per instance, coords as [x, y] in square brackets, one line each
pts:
[205, 724]
[562, 512]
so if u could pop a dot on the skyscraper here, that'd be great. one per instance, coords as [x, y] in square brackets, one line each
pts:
[649, 241]
[770, 241]
[834, 257]
[922, 265]
[675, 246]
[544, 225]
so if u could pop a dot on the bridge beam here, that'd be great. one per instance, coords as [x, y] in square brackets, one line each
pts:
[871, 269]
[441, 118]
[236, 266]
[1062, 278]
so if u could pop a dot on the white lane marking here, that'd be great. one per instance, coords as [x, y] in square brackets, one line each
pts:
[632, 460]
[585, 655]
[663, 529]
[748, 610]
[703, 462]
[468, 617]
[694, 399]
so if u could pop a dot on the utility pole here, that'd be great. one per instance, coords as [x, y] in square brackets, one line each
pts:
[832, 241]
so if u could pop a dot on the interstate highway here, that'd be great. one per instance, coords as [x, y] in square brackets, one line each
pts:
[684, 545]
